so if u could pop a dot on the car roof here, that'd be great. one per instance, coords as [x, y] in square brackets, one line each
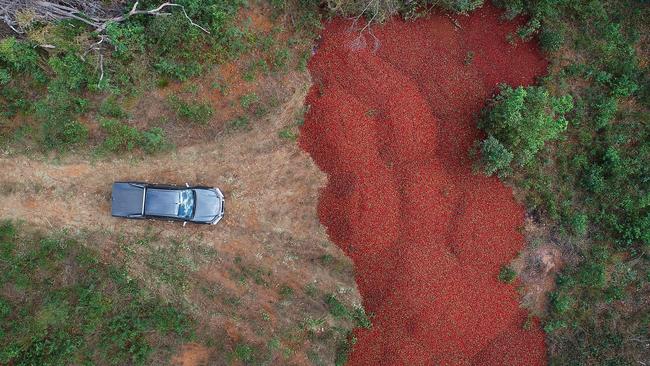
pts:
[162, 202]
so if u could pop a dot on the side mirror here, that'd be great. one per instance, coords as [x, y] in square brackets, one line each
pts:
[184, 223]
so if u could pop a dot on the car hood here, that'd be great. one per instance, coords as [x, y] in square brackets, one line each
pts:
[207, 205]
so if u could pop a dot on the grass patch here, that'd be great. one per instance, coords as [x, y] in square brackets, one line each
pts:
[74, 307]
[121, 137]
[195, 112]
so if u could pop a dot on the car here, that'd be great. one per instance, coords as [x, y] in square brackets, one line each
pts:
[138, 200]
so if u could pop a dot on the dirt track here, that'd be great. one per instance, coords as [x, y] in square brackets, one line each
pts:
[262, 182]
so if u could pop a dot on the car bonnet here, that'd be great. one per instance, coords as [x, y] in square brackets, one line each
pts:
[207, 205]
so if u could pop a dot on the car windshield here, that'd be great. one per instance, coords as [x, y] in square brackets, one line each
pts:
[186, 204]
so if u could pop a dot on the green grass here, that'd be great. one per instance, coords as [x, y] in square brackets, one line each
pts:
[74, 308]
[121, 137]
[195, 112]
[288, 134]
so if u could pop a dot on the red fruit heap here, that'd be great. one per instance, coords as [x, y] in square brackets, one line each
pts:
[391, 126]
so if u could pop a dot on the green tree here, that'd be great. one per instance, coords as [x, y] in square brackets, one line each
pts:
[518, 123]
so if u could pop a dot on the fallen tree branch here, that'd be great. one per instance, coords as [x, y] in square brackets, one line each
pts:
[87, 12]
[101, 68]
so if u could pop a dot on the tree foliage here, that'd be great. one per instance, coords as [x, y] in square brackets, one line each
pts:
[591, 186]
[518, 122]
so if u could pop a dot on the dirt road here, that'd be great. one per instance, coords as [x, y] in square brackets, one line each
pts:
[263, 183]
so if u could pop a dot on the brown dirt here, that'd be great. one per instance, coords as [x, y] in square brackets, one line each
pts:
[537, 266]
[5, 31]
[192, 354]
[271, 190]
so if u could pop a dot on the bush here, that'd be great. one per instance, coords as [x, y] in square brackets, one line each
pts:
[380, 11]
[63, 134]
[507, 274]
[592, 274]
[561, 303]
[551, 40]
[120, 137]
[110, 108]
[74, 307]
[248, 100]
[518, 123]
[579, 223]
[244, 352]
[20, 58]
[495, 157]
[593, 180]
[336, 307]
[605, 112]
[240, 123]
[154, 140]
[194, 112]
[281, 59]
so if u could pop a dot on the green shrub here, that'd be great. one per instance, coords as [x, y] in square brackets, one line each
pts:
[462, 6]
[592, 274]
[63, 134]
[248, 100]
[72, 72]
[554, 325]
[380, 11]
[529, 29]
[507, 274]
[120, 136]
[239, 123]
[181, 71]
[110, 108]
[495, 157]
[128, 39]
[288, 134]
[579, 223]
[281, 58]
[154, 140]
[361, 318]
[591, 181]
[195, 112]
[551, 40]
[21, 58]
[336, 307]
[132, 51]
[605, 112]
[74, 307]
[286, 292]
[518, 123]
[244, 352]
[258, 66]
[561, 303]
[5, 77]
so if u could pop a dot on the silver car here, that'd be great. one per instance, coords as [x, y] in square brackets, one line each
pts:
[137, 200]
